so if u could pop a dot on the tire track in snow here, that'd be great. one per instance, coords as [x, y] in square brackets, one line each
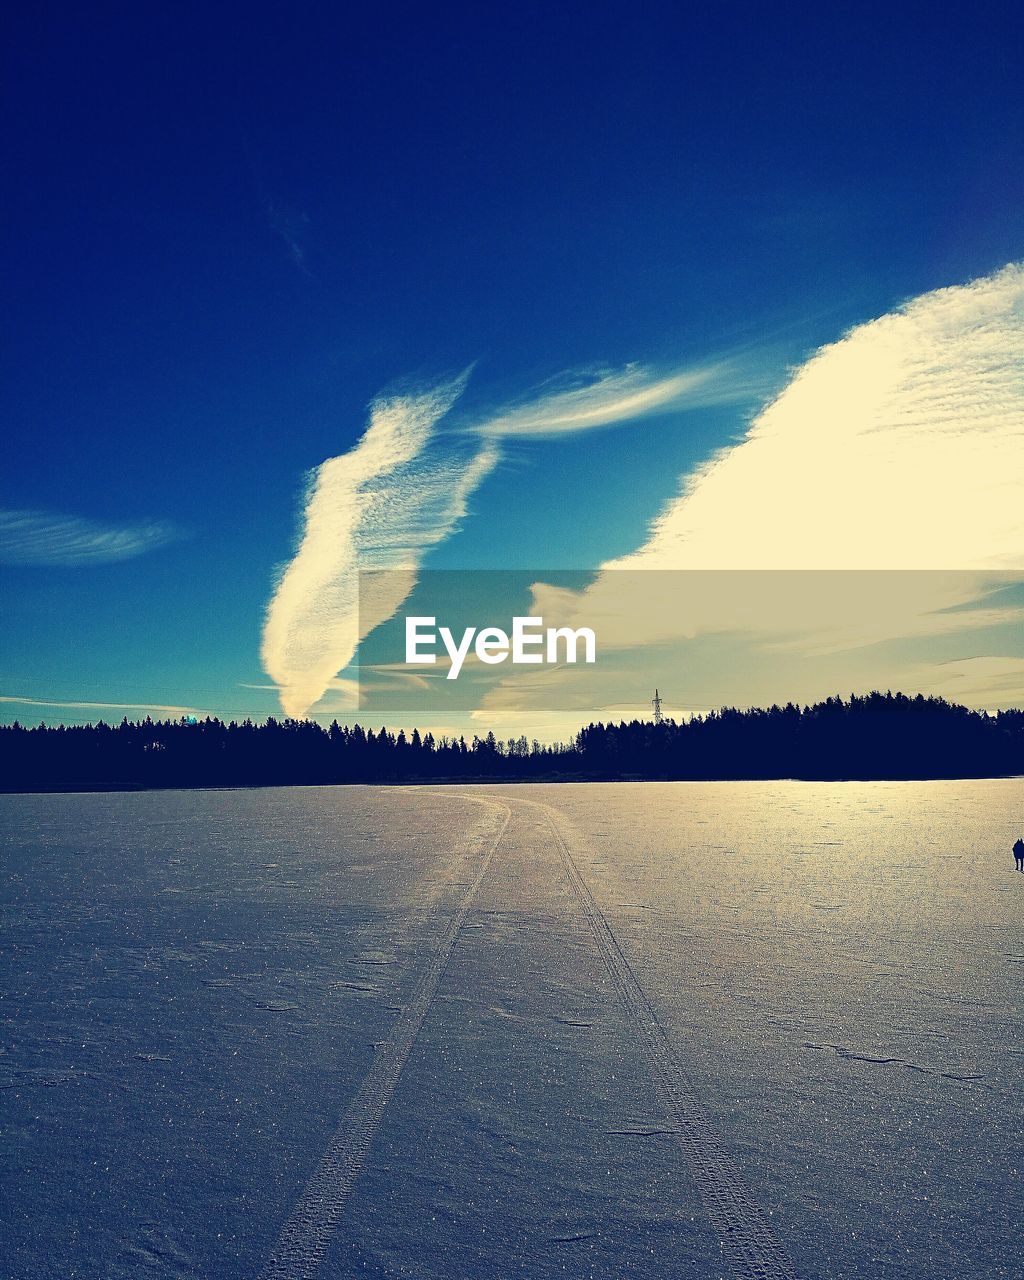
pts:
[748, 1241]
[306, 1236]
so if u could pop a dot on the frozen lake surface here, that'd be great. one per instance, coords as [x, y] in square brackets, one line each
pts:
[661, 1030]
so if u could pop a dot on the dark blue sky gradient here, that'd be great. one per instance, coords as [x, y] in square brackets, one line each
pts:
[227, 230]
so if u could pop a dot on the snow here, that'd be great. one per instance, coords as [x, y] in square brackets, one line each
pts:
[565, 1030]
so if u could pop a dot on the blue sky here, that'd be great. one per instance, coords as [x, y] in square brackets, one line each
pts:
[225, 239]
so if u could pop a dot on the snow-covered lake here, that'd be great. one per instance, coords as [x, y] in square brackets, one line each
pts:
[662, 1030]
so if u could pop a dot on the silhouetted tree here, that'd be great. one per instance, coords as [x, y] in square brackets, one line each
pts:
[880, 735]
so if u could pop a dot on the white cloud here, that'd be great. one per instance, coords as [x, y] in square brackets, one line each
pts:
[984, 682]
[613, 396]
[104, 706]
[899, 447]
[44, 538]
[381, 506]
[403, 489]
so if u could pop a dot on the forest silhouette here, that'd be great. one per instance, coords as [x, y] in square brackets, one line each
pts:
[877, 736]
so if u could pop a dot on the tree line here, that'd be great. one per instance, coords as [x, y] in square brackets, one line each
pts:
[874, 736]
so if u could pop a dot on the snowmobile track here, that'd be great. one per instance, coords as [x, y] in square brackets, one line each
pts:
[306, 1236]
[749, 1244]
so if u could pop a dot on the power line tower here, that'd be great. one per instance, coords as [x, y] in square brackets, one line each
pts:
[656, 704]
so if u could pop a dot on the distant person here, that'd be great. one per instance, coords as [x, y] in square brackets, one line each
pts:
[1018, 855]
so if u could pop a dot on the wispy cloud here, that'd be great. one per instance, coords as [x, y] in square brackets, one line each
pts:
[404, 488]
[984, 682]
[291, 225]
[45, 538]
[104, 706]
[380, 506]
[581, 402]
[901, 446]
